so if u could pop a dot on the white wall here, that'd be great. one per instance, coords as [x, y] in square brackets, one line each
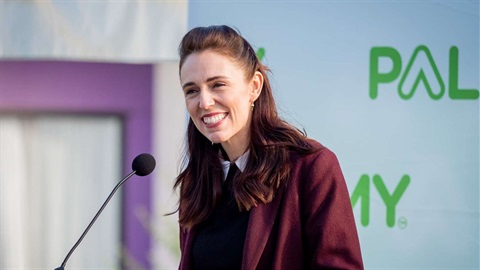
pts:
[169, 132]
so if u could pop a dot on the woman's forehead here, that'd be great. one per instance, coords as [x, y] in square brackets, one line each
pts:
[208, 64]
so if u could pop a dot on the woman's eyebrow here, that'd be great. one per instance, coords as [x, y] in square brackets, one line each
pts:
[187, 84]
[208, 80]
[216, 78]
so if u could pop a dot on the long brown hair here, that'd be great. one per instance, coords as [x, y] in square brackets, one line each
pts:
[272, 139]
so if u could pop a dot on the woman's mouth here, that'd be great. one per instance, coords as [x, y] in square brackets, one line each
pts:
[214, 119]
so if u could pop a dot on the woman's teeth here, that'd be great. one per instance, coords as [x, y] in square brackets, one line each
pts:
[214, 119]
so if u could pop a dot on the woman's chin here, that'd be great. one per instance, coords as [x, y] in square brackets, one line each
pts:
[215, 139]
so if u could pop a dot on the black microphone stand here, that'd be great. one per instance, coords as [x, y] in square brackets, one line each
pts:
[62, 267]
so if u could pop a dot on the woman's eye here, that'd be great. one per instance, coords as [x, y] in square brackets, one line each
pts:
[190, 92]
[218, 85]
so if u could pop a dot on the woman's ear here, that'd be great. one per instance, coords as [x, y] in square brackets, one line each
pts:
[257, 85]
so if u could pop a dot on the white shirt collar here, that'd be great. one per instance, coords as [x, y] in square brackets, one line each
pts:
[241, 163]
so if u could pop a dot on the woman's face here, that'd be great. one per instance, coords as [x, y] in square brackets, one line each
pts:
[219, 98]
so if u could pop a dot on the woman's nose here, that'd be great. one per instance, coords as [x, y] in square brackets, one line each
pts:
[206, 100]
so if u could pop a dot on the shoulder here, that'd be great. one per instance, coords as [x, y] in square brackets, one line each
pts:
[320, 168]
[320, 155]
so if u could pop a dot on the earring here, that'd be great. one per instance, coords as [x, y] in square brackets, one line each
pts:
[253, 105]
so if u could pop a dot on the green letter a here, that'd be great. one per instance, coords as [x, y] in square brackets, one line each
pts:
[421, 77]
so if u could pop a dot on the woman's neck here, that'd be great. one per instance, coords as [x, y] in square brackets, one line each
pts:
[234, 151]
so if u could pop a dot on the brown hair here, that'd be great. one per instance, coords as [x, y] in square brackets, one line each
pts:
[272, 139]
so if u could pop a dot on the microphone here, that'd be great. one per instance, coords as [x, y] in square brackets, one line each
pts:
[142, 165]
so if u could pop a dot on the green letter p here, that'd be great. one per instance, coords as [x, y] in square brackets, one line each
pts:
[375, 76]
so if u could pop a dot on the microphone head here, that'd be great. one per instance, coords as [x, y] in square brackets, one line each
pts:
[143, 164]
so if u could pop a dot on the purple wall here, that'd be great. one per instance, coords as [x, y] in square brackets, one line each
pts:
[79, 87]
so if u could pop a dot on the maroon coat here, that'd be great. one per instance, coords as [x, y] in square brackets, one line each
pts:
[308, 225]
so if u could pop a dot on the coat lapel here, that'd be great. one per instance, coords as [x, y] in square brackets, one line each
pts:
[260, 226]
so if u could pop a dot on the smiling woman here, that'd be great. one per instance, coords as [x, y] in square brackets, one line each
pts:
[255, 192]
[219, 99]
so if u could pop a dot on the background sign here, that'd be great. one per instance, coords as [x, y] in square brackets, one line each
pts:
[392, 88]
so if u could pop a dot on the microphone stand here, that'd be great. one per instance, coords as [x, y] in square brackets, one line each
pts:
[62, 267]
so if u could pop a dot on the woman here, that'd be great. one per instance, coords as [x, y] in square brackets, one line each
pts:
[255, 192]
